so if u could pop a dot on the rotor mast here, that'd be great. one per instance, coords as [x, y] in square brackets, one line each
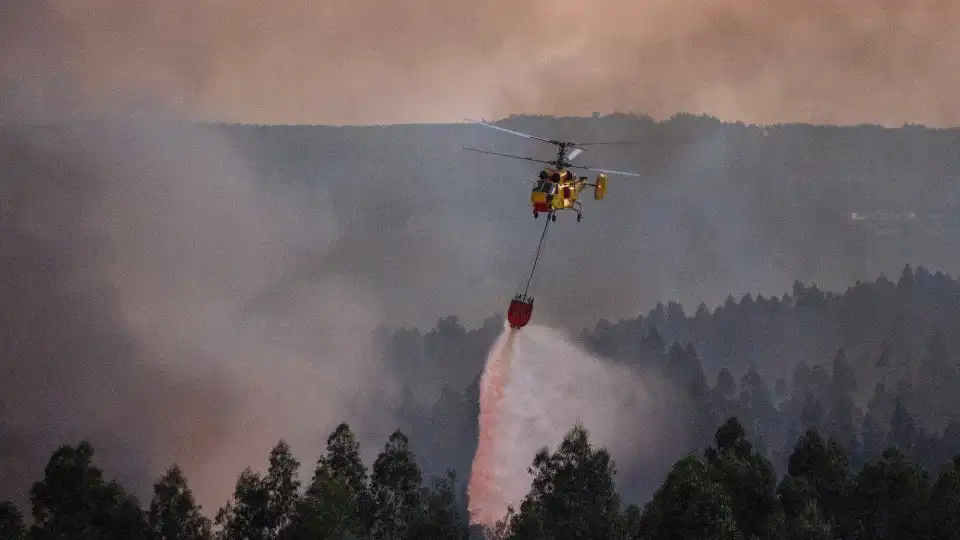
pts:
[561, 155]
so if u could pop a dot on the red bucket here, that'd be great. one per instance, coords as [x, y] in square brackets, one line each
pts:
[520, 311]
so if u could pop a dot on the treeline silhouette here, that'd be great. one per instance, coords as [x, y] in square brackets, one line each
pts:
[729, 491]
[873, 366]
[342, 500]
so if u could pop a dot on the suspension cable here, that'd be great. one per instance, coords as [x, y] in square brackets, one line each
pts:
[537, 258]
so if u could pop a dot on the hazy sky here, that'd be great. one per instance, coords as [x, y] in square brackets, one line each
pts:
[350, 61]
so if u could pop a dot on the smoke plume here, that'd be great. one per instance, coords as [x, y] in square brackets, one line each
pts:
[134, 252]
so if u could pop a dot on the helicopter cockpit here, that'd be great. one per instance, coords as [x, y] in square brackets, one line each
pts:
[545, 186]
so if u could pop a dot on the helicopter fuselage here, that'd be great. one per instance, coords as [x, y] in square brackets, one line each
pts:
[558, 189]
[555, 190]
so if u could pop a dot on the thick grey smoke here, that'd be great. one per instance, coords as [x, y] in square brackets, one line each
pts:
[132, 251]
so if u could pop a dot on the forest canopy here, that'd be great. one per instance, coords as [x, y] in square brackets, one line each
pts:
[729, 490]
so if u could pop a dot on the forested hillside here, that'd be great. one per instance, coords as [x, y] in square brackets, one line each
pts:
[873, 365]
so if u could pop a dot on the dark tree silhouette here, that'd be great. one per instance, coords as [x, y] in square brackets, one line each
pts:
[746, 475]
[572, 495]
[263, 506]
[73, 501]
[945, 503]
[11, 522]
[890, 499]
[690, 504]
[173, 514]
[395, 484]
[818, 472]
[337, 502]
[440, 517]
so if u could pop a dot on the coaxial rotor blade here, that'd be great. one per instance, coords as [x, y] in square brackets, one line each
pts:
[574, 153]
[608, 171]
[524, 135]
[551, 141]
[609, 142]
[508, 155]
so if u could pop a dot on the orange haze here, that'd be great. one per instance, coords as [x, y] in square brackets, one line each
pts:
[348, 61]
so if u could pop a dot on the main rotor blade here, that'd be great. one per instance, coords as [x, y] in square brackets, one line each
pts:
[609, 142]
[608, 171]
[524, 135]
[508, 155]
[575, 152]
[551, 141]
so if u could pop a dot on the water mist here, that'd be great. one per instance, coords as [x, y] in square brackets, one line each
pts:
[536, 386]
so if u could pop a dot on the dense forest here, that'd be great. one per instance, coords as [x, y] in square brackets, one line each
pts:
[872, 366]
[729, 491]
[862, 441]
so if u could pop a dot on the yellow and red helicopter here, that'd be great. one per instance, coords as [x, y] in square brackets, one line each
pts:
[557, 187]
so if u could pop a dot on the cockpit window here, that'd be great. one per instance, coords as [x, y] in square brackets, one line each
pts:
[545, 186]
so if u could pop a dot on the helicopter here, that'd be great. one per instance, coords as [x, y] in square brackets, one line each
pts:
[558, 188]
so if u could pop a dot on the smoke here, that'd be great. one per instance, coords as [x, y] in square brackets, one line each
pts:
[134, 255]
[536, 386]
[365, 62]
